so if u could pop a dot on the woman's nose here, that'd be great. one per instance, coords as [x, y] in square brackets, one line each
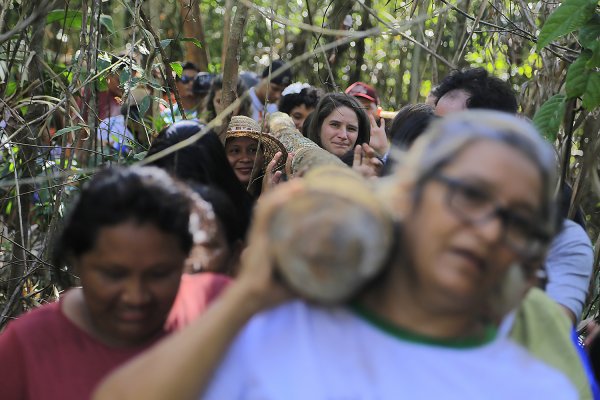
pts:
[135, 293]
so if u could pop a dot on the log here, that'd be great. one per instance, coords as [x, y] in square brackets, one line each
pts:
[307, 154]
[333, 237]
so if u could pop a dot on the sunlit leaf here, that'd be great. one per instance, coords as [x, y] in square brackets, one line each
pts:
[177, 68]
[195, 41]
[568, 17]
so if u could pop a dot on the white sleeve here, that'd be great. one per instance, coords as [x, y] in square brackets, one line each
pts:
[569, 267]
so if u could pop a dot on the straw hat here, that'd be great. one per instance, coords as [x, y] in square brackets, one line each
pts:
[242, 126]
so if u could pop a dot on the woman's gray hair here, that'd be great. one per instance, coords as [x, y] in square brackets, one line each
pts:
[447, 137]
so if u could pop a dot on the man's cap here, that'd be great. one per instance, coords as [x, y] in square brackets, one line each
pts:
[361, 89]
[284, 79]
[202, 83]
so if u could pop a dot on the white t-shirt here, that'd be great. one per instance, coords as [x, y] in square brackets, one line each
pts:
[114, 132]
[299, 351]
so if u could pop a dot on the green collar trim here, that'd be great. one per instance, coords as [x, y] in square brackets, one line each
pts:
[406, 335]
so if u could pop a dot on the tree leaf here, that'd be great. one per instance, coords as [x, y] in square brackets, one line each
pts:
[584, 82]
[548, 117]
[68, 129]
[577, 76]
[71, 18]
[591, 97]
[177, 68]
[589, 34]
[165, 43]
[195, 41]
[594, 61]
[107, 21]
[145, 104]
[569, 16]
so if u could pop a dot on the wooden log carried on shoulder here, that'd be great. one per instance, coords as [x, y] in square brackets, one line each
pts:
[332, 237]
[307, 154]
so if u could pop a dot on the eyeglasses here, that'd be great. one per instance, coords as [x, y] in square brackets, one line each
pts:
[474, 205]
[185, 79]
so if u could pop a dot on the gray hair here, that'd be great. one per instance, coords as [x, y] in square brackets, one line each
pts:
[447, 137]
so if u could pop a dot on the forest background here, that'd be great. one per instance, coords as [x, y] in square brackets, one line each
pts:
[54, 53]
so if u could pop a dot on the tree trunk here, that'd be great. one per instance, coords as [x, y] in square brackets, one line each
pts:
[193, 28]
[226, 29]
[232, 62]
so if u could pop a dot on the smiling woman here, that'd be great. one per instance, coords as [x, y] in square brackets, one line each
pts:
[338, 124]
[127, 239]
[249, 151]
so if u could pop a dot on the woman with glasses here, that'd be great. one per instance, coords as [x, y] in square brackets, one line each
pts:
[473, 203]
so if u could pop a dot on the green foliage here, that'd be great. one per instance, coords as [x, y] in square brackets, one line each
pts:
[589, 34]
[73, 19]
[548, 118]
[568, 17]
[584, 82]
[177, 67]
[69, 129]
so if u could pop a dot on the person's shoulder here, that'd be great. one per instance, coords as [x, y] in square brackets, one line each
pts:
[528, 373]
[34, 319]
[572, 230]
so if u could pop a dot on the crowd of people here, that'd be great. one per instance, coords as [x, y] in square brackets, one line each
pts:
[181, 295]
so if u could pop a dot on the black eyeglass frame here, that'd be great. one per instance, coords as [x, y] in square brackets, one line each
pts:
[535, 239]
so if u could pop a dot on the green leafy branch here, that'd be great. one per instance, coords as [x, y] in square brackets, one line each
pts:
[583, 75]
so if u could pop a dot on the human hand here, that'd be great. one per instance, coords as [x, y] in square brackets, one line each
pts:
[258, 277]
[366, 161]
[379, 141]
[272, 178]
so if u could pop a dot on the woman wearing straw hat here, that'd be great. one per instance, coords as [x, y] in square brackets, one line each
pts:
[249, 152]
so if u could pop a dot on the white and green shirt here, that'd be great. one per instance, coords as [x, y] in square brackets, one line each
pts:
[300, 351]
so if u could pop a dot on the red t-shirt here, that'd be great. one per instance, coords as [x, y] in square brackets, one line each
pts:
[43, 355]
[196, 292]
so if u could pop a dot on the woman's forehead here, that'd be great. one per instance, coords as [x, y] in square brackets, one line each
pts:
[241, 141]
[506, 170]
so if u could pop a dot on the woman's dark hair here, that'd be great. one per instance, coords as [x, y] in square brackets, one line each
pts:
[410, 122]
[308, 96]
[217, 84]
[327, 105]
[227, 214]
[143, 195]
[202, 162]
